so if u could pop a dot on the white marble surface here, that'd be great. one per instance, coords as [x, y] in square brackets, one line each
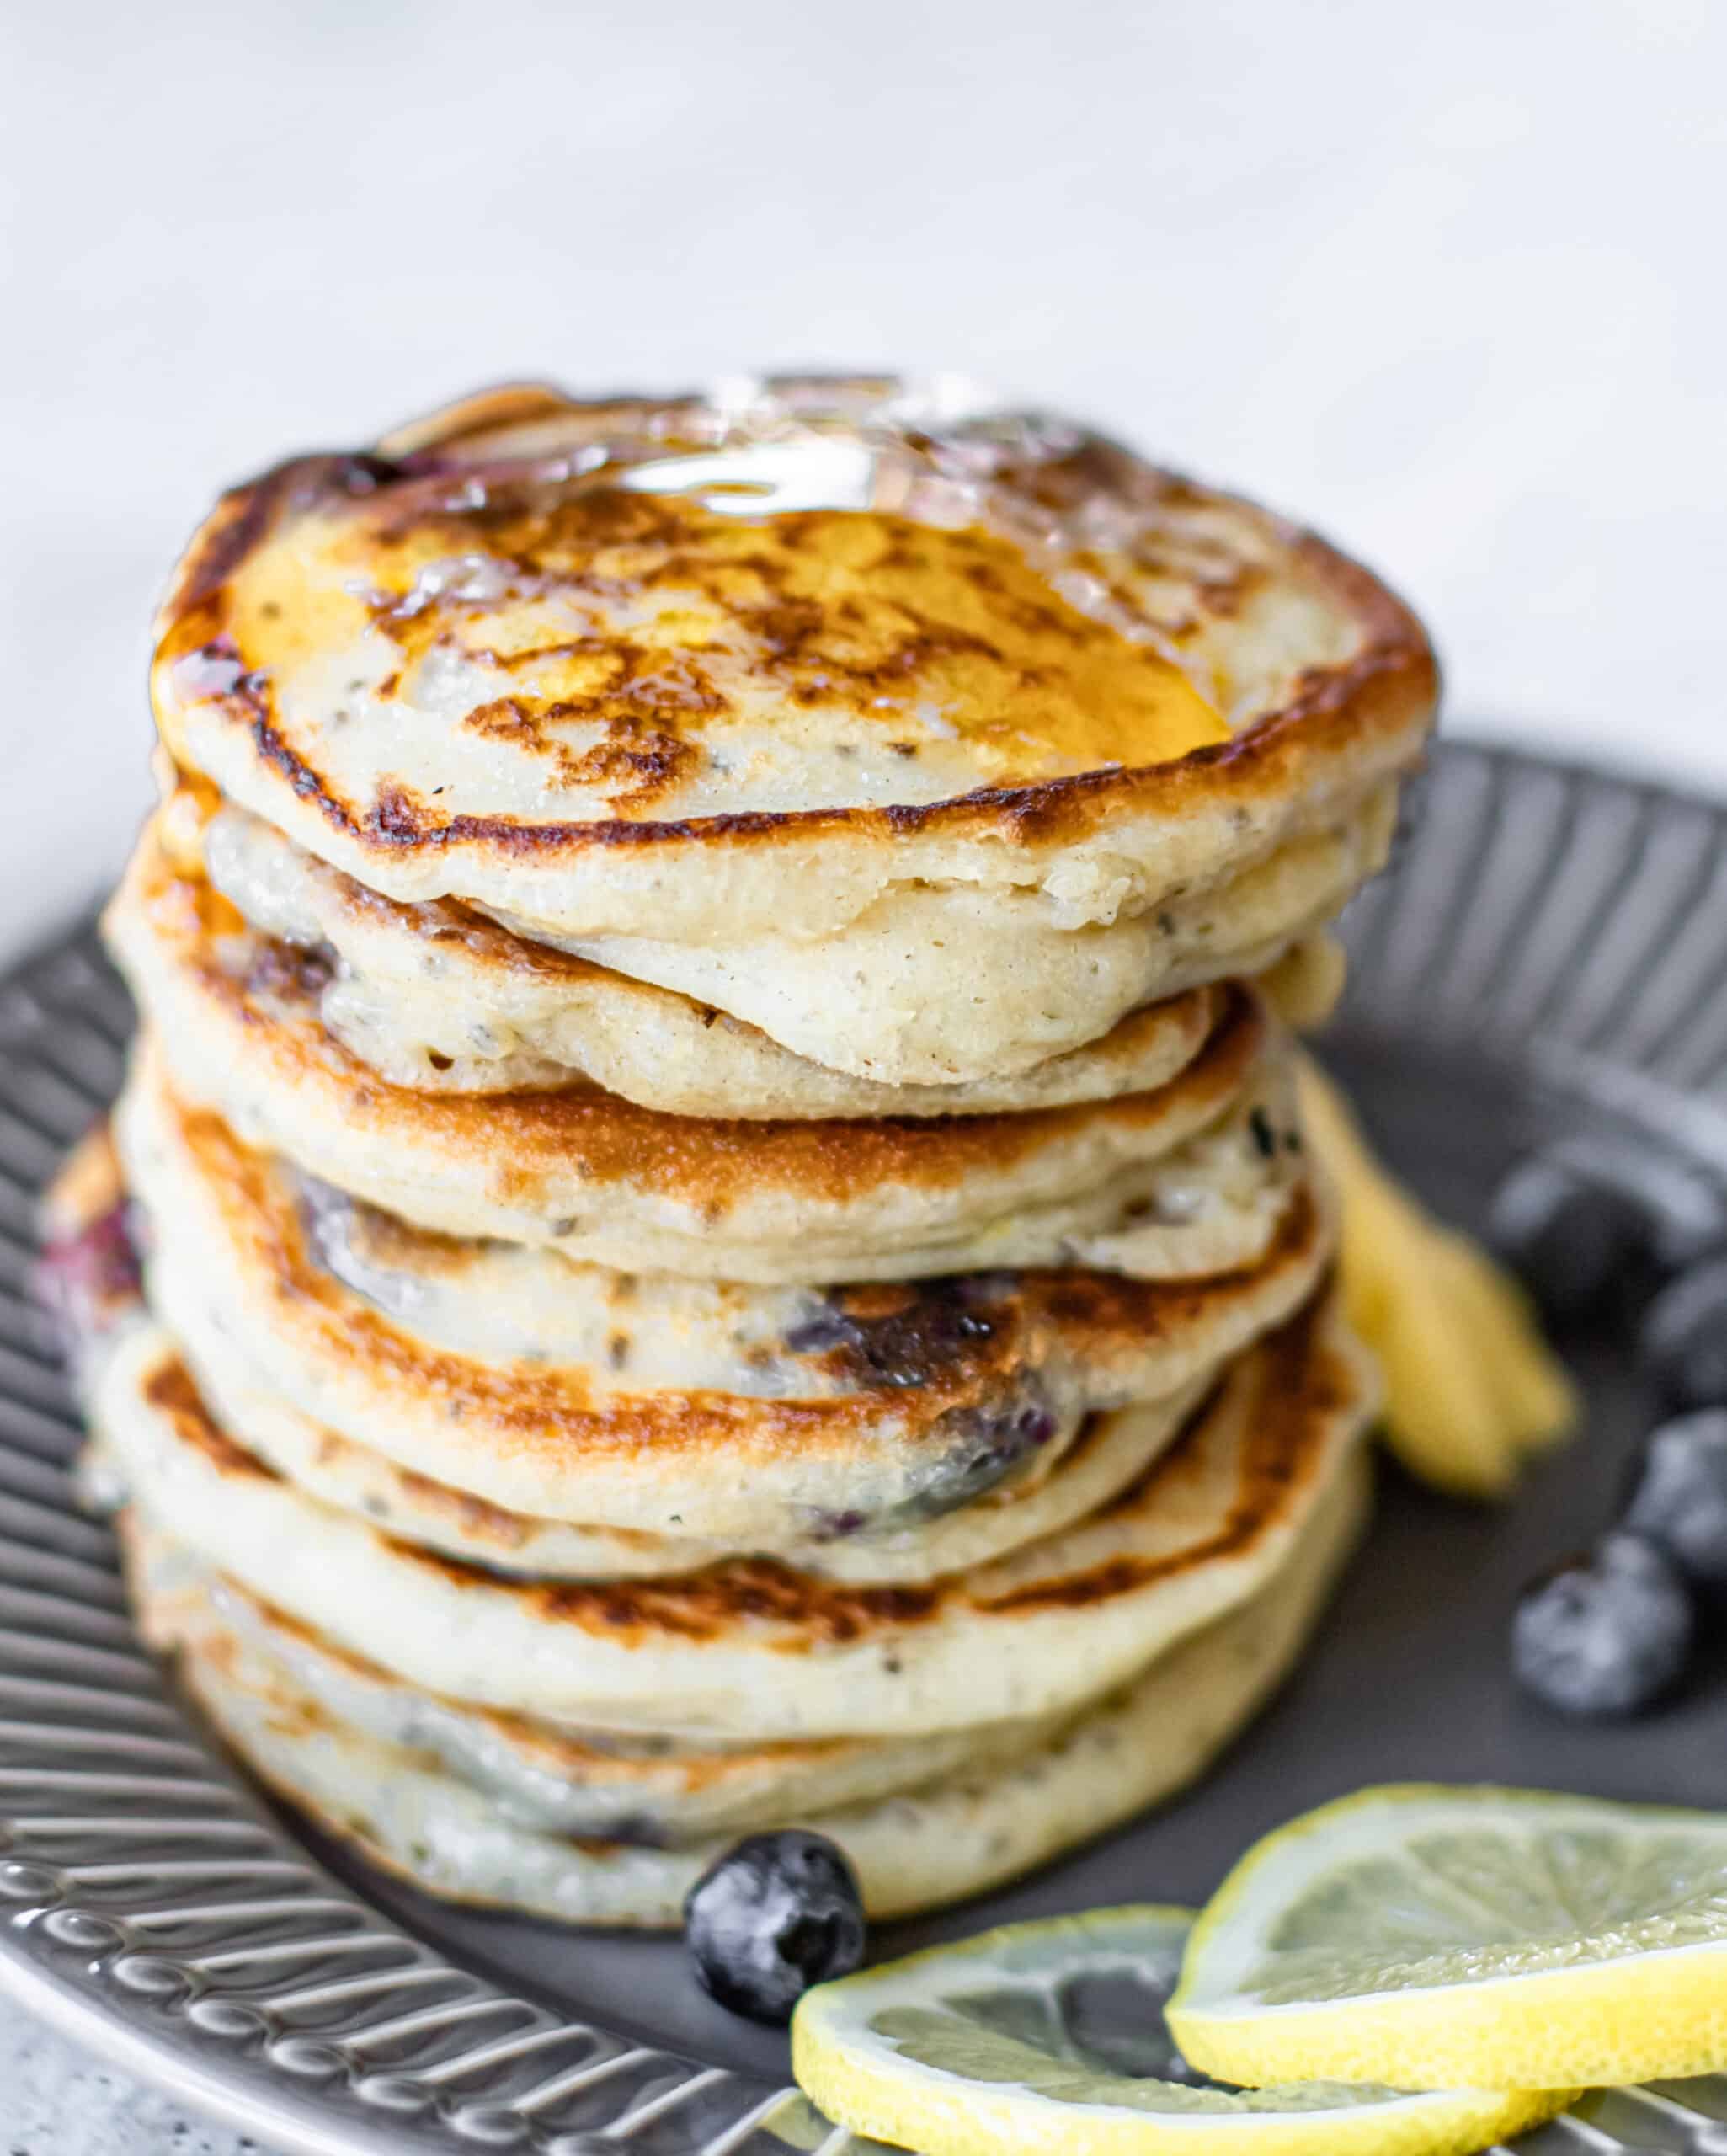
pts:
[56, 2101]
[1445, 281]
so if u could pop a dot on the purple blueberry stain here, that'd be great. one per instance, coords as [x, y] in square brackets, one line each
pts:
[898, 1349]
[979, 1449]
[82, 1276]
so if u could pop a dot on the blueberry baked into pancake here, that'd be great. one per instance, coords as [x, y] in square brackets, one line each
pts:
[716, 1225]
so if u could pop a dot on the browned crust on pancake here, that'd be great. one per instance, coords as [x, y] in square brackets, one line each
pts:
[596, 1763]
[1302, 1379]
[536, 1407]
[1381, 694]
[171, 1392]
[479, 1517]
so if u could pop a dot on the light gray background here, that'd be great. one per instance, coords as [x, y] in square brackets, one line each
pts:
[1446, 280]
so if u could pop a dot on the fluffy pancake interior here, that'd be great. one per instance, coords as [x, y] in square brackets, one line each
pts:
[1002, 991]
[439, 997]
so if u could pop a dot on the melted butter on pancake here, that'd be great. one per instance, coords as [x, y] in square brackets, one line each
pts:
[599, 641]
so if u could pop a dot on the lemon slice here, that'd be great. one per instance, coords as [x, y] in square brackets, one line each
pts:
[1431, 1937]
[1050, 2036]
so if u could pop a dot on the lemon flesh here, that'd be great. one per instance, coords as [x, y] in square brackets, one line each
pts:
[1049, 2037]
[1471, 1387]
[1433, 1937]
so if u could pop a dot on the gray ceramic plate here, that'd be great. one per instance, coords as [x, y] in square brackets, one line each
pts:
[1547, 959]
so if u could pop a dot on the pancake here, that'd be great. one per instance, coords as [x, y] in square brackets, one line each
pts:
[448, 1827]
[437, 997]
[753, 1648]
[860, 1430]
[940, 985]
[652, 1789]
[748, 697]
[1105, 1456]
[1189, 1179]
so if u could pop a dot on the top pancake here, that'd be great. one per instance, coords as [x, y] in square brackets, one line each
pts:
[706, 671]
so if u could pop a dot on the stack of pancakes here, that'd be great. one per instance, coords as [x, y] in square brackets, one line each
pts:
[727, 1238]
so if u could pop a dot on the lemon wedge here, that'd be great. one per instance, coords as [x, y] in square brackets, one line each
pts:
[1049, 2037]
[1430, 1937]
[1306, 984]
[1471, 1387]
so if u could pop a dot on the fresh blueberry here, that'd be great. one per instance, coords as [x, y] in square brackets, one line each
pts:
[1684, 1213]
[1680, 1496]
[1578, 1243]
[775, 1914]
[1605, 1633]
[1683, 1339]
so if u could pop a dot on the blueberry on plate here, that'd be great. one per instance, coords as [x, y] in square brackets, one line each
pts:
[1577, 1241]
[1681, 1498]
[1606, 1632]
[776, 1913]
[1682, 1342]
